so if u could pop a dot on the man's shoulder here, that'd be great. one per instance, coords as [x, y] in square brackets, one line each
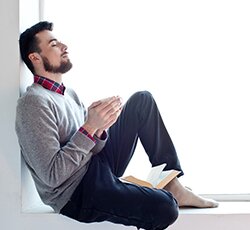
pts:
[34, 95]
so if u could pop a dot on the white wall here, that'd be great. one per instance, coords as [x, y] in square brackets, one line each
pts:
[11, 217]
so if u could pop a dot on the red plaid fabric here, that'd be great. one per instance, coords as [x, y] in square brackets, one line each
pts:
[49, 84]
[85, 132]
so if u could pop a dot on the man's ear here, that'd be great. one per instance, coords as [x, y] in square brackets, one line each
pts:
[34, 57]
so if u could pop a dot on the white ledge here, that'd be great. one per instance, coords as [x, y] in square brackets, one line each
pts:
[223, 209]
[229, 216]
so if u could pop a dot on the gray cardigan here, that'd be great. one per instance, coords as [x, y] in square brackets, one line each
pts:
[56, 153]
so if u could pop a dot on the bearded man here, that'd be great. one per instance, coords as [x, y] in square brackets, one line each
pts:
[76, 155]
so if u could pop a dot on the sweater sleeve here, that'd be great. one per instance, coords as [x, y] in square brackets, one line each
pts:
[52, 161]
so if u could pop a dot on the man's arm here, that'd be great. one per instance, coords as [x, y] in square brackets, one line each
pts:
[53, 156]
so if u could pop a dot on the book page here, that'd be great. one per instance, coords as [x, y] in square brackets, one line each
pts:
[155, 173]
[166, 177]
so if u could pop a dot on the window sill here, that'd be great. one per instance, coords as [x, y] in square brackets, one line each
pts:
[39, 209]
[224, 208]
[229, 215]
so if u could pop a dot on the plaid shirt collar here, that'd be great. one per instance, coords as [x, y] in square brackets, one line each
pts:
[49, 84]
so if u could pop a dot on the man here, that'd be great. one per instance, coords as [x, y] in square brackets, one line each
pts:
[76, 156]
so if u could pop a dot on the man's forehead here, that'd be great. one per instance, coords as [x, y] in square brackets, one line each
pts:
[46, 36]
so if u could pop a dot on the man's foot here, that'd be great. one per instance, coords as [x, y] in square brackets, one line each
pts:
[186, 198]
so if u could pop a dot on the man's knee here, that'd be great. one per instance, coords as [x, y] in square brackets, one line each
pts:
[143, 100]
[142, 94]
[165, 212]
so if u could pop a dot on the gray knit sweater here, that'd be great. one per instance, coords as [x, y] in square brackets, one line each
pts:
[56, 153]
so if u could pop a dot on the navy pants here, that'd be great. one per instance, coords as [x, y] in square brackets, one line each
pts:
[101, 196]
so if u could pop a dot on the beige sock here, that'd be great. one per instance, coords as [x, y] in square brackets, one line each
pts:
[186, 198]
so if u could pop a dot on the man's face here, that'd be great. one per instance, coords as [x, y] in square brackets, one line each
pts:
[54, 53]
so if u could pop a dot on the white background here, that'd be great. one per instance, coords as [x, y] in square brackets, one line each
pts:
[11, 215]
[193, 56]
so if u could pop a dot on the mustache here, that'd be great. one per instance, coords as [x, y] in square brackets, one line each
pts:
[65, 53]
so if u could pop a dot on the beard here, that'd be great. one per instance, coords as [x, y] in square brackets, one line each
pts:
[64, 66]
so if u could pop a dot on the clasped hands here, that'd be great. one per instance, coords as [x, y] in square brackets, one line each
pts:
[102, 114]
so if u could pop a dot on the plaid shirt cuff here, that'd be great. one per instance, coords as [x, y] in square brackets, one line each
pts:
[85, 132]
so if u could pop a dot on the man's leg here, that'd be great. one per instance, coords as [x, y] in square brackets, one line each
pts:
[101, 196]
[141, 118]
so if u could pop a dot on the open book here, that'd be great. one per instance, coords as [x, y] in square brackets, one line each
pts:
[157, 178]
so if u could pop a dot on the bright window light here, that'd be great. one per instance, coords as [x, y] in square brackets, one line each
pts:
[193, 56]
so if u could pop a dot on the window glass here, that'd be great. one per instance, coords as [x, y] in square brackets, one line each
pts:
[193, 56]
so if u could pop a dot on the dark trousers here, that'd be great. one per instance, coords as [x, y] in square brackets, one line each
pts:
[101, 196]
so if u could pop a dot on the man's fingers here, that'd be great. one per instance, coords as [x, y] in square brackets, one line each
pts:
[103, 113]
[94, 104]
[101, 102]
[107, 104]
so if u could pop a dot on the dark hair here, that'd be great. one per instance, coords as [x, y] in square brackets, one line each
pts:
[29, 43]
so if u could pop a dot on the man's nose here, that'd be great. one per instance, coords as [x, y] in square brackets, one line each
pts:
[63, 46]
